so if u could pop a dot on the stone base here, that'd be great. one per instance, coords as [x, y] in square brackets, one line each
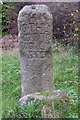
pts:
[46, 95]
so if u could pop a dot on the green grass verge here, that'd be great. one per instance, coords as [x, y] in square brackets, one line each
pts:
[0, 85]
[65, 78]
[11, 84]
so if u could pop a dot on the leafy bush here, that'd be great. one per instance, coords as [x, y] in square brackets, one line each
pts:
[65, 18]
[5, 18]
[9, 17]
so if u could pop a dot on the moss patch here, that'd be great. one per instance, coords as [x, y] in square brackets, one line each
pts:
[47, 93]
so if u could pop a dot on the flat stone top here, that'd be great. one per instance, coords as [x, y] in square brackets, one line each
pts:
[35, 9]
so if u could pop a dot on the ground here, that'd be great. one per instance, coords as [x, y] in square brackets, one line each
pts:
[65, 78]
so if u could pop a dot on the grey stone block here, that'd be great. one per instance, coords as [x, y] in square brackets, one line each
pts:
[35, 45]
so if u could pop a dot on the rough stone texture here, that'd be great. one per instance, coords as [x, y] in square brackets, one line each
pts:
[35, 44]
[49, 100]
[27, 99]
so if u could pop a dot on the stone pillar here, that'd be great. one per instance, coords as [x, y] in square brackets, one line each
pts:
[35, 45]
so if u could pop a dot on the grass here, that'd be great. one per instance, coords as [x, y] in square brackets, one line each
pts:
[65, 78]
[11, 85]
[0, 85]
[46, 93]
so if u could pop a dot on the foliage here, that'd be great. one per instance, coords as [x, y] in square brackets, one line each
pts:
[65, 107]
[65, 78]
[5, 18]
[46, 93]
[32, 110]
[0, 17]
[9, 17]
[65, 18]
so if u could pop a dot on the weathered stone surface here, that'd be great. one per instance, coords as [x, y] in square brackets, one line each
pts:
[49, 100]
[51, 97]
[35, 44]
